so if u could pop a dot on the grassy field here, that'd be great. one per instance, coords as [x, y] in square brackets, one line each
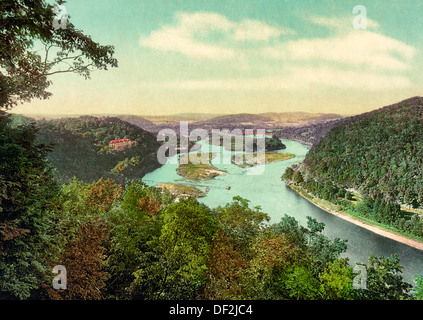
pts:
[249, 160]
[198, 171]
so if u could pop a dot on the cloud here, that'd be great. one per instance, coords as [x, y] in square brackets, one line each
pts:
[341, 23]
[348, 59]
[180, 38]
[249, 30]
[188, 35]
[355, 48]
[179, 41]
[202, 21]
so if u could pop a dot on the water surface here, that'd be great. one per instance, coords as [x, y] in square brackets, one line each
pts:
[276, 199]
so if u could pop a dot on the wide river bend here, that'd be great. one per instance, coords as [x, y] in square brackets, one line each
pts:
[276, 199]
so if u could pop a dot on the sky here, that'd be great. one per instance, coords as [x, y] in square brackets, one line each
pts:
[244, 56]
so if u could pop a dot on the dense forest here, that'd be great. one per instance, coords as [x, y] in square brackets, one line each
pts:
[377, 154]
[131, 241]
[80, 148]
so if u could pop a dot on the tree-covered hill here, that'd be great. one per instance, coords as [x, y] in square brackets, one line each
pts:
[137, 242]
[380, 155]
[81, 148]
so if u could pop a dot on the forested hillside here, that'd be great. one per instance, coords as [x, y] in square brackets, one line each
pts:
[379, 154]
[137, 242]
[80, 148]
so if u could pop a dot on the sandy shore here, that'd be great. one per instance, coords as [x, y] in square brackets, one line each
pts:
[376, 229]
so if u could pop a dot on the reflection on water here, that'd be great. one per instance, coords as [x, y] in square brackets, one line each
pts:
[275, 198]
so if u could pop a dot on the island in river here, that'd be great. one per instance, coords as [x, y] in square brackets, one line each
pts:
[196, 170]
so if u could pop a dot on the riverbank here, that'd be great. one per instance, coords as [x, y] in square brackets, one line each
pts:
[364, 224]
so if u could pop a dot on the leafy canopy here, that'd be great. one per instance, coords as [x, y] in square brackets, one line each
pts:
[32, 50]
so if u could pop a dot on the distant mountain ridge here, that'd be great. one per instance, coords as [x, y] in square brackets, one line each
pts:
[270, 121]
[304, 127]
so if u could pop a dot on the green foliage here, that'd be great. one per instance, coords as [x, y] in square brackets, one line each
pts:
[300, 283]
[187, 234]
[27, 199]
[124, 164]
[136, 242]
[32, 51]
[270, 144]
[298, 178]
[336, 281]
[132, 247]
[378, 153]
[79, 149]
[241, 224]
[418, 294]
[289, 172]
[384, 281]
[274, 143]
[75, 197]
[311, 241]
[136, 226]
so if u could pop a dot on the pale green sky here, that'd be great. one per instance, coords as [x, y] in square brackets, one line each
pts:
[232, 56]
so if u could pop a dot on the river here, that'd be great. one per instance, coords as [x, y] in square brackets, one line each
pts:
[276, 199]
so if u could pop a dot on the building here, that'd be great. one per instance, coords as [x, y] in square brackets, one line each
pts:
[120, 144]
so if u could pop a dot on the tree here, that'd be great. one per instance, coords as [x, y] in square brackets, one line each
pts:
[103, 194]
[272, 253]
[133, 247]
[314, 252]
[311, 241]
[274, 143]
[124, 164]
[336, 280]
[26, 28]
[322, 249]
[186, 239]
[384, 280]
[241, 224]
[297, 178]
[139, 199]
[300, 283]
[74, 197]
[83, 259]
[27, 199]
[225, 267]
[134, 256]
[419, 289]
[289, 172]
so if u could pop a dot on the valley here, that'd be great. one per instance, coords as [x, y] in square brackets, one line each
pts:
[375, 216]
